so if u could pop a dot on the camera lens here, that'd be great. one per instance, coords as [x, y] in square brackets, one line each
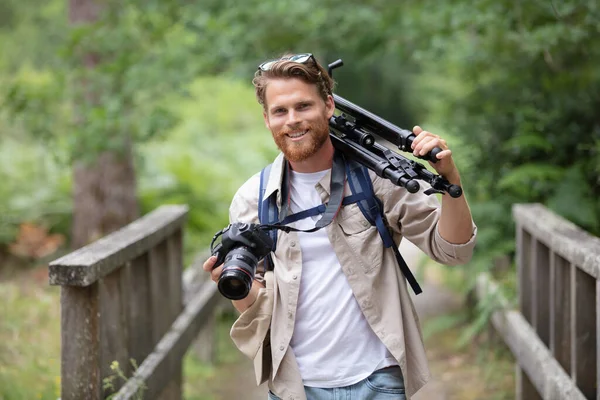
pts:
[238, 273]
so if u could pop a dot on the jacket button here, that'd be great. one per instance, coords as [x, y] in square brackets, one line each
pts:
[366, 223]
[295, 277]
[281, 348]
[293, 244]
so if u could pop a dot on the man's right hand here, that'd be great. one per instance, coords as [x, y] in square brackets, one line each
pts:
[243, 304]
[209, 267]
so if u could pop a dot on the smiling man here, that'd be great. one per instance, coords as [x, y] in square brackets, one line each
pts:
[333, 317]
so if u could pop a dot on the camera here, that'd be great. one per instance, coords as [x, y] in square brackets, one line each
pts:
[242, 247]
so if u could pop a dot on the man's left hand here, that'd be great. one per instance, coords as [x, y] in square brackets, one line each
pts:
[426, 141]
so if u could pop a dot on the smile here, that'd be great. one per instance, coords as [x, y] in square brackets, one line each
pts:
[296, 135]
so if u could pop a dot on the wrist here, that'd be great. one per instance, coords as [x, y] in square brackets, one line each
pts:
[453, 177]
[247, 302]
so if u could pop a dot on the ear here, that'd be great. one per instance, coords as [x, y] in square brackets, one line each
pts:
[329, 106]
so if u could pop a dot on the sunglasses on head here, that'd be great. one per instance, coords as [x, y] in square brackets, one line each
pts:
[298, 58]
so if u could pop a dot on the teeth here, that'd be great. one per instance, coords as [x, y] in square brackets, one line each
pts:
[296, 134]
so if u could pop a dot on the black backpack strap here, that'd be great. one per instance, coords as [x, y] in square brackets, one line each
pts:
[372, 209]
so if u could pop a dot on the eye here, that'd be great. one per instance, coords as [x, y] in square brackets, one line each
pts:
[303, 106]
[279, 111]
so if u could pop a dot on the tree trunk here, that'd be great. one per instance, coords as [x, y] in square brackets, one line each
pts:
[104, 197]
[104, 191]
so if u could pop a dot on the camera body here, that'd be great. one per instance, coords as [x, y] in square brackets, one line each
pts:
[242, 246]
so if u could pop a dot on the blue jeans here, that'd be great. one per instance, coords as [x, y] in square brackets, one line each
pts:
[383, 384]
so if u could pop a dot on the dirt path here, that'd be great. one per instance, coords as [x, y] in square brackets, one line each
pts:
[435, 300]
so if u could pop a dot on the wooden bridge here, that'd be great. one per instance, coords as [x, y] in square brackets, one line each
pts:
[127, 296]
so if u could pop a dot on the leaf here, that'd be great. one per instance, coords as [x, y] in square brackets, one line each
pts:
[526, 142]
[527, 177]
[573, 200]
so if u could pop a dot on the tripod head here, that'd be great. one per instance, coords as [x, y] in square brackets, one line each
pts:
[354, 132]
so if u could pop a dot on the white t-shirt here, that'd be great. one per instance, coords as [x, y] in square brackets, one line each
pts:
[332, 341]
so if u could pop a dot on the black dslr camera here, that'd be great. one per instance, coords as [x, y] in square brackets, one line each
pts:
[242, 247]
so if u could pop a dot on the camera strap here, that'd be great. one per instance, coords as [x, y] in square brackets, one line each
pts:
[362, 194]
[328, 211]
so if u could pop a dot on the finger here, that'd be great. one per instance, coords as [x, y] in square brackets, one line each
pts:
[216, 273]
[417, 131]
[425, 139]
[420, 137]
[444, 154]
[209, 264]
[431, 144]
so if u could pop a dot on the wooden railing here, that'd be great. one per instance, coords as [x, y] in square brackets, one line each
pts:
[555, 334]
[122, 299]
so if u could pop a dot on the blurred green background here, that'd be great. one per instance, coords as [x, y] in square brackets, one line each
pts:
[163, 89]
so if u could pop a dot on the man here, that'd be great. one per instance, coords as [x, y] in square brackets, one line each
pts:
[334, 316]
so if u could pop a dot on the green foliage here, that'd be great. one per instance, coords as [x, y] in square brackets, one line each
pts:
[107, 83]
[199, 162]
[35, 188]
[514, 87]
[108, 383]
[518, 84]
[29, 341]
[221, 142]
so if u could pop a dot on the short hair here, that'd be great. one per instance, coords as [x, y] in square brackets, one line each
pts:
[310, 72]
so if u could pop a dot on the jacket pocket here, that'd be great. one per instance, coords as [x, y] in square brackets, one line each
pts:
[363, 240]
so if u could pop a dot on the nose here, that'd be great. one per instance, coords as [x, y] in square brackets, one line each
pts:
[293, 118]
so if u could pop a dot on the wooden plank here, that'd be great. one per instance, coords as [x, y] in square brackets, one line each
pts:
[585, 334]
[573, 322]
[139, 307]
[90, 263]
[562, 236]
[525, 389]
[175, 271]
[597, 340]
[524, 270]
[175, 343]
[173, 390]
[560, 338]
[542, 292]
[159, 289]
[113, 327]
[80, 343]
[193, 278]
[532, 281]
[544, 372]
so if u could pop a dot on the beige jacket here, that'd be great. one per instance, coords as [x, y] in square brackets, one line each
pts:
[263, 331]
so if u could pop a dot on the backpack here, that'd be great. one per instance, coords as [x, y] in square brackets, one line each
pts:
[362, 194]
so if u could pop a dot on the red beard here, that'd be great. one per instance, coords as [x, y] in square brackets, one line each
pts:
[310, 144]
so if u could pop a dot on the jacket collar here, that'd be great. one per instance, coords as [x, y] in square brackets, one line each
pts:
[276, 176]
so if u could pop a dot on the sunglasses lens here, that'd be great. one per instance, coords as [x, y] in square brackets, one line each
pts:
[299, 58]
[267, 65]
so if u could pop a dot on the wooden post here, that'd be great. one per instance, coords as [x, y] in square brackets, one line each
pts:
[114, 332]
[80, 343]
[107, 290]
[140, 314]
[525, 389]
[585, 346]
[561, 313]
[566, 311]
[542, 291]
